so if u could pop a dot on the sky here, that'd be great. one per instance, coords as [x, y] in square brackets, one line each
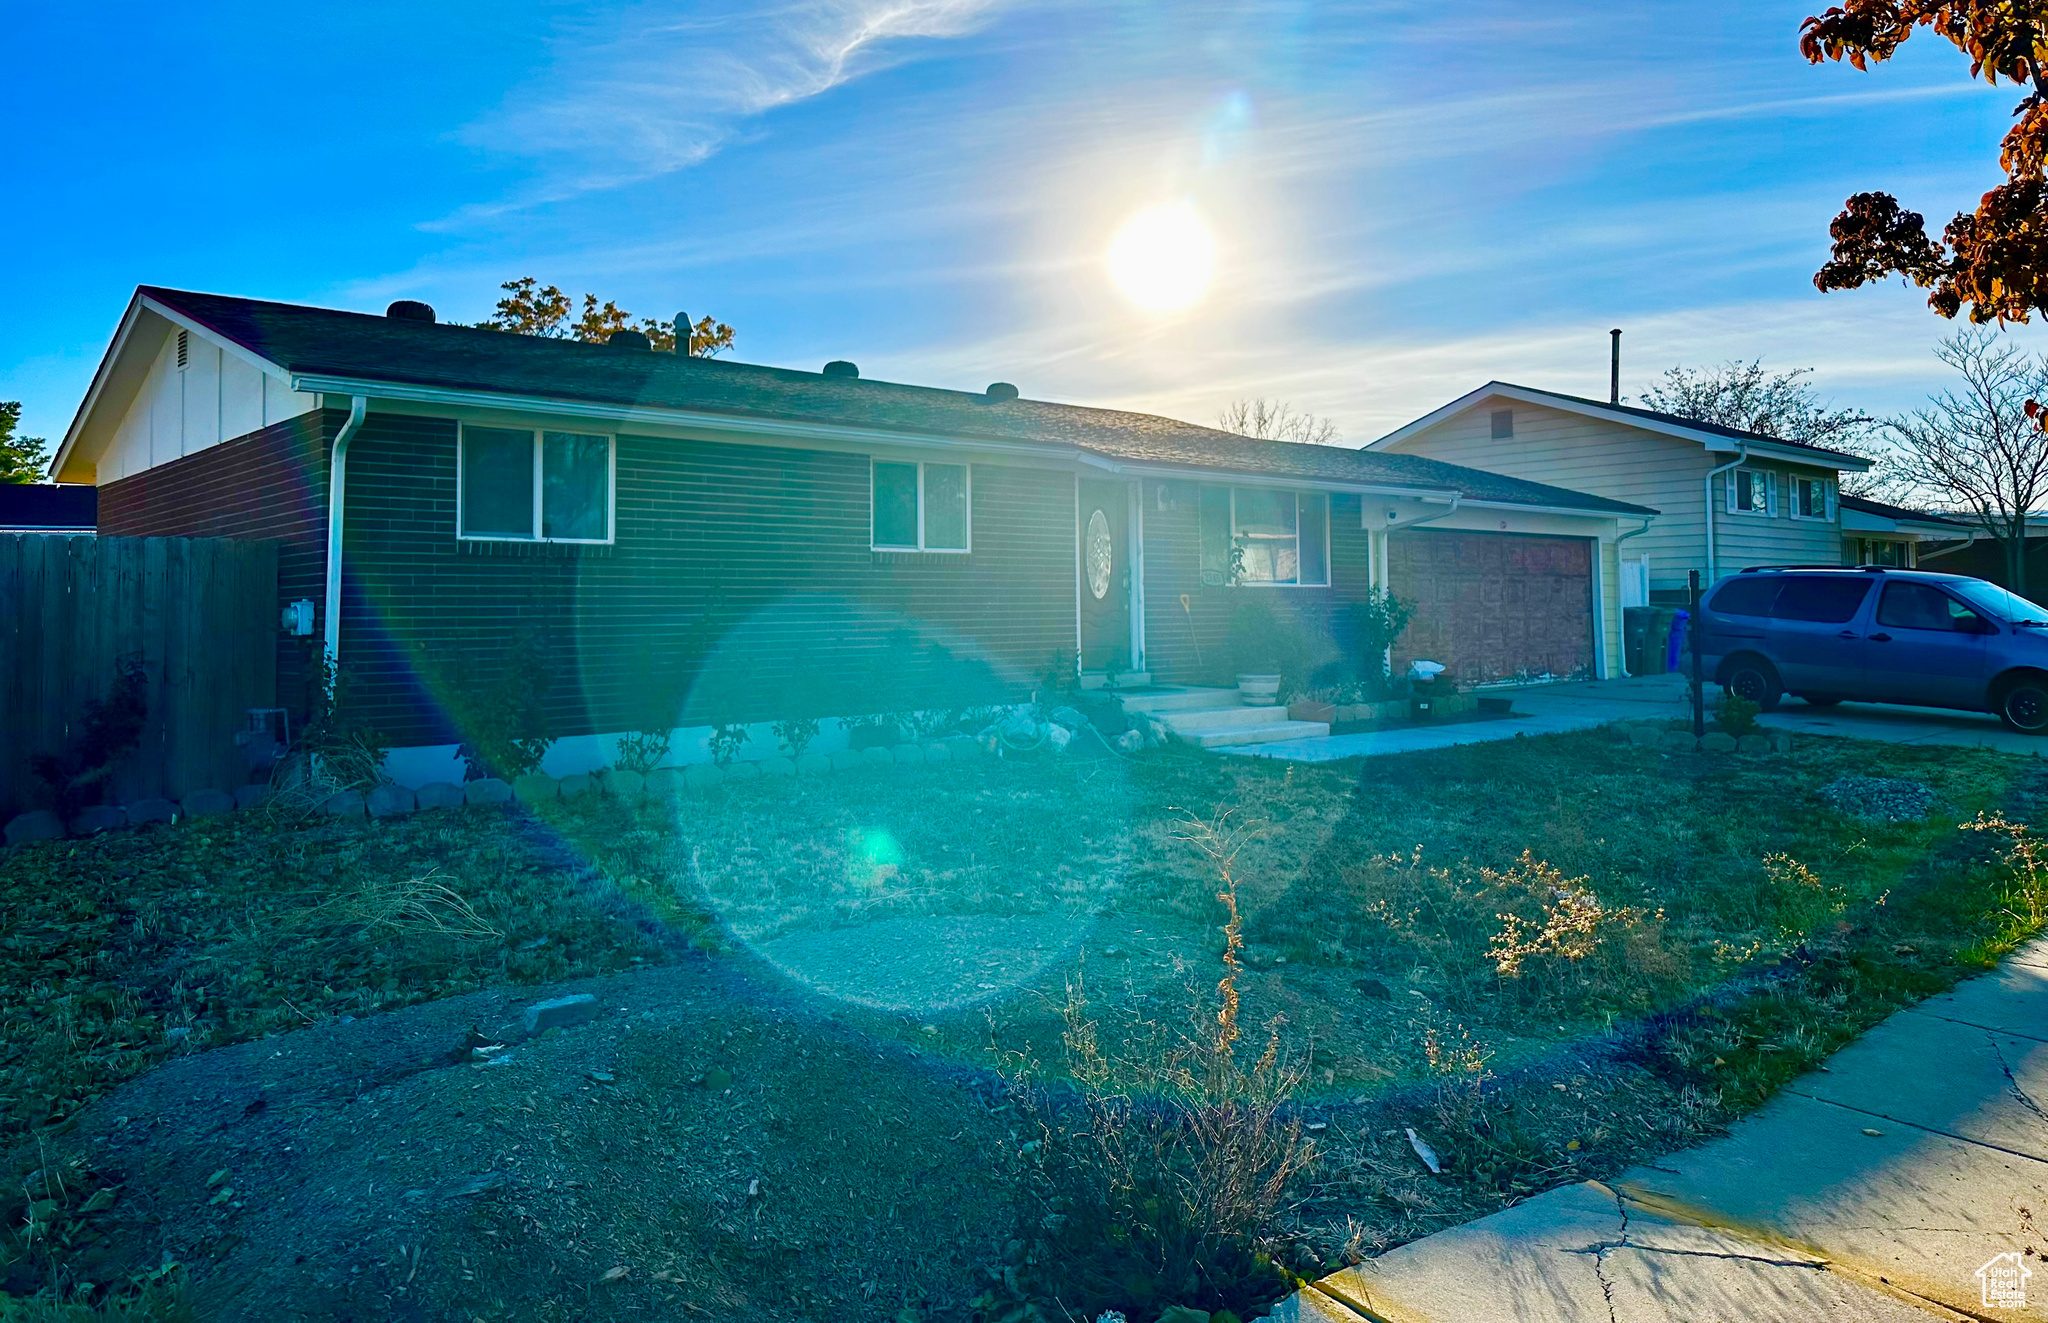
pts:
[1405, 199]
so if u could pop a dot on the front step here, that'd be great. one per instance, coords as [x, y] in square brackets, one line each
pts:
[1185, 719]
[1180, 700]
[1217, 737]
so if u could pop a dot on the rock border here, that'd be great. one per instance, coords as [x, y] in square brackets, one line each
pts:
[1675, 736]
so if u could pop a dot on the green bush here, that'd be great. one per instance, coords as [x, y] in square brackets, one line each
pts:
[1735, 716]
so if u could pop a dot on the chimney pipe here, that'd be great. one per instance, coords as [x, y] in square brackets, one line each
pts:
[1614, 369]
[682, 329]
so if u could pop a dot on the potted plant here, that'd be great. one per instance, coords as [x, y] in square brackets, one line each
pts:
[1255, 650]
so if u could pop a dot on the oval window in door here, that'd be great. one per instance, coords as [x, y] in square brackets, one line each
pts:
[1098, 554]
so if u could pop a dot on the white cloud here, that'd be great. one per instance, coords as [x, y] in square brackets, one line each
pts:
[665, 85]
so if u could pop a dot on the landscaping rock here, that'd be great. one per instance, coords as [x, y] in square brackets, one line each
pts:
[845, 760]
[533, 788]
[96, 818]
[938, 752]
[439, 795]
[151, 810]
[1059, 737]
[742, 771]
[877, 757]
[1648, 737]
[1130, 741]
[964, 748]
[1752, 744]
[34, 825]
[1879, 798]
[1717, 741]
[252, 796]
[663, 782]
[908, 753]
[560, 1012]
[389, 801]
[702, 776]
[778, 767]
[343, 804]
[1068, 717]
[577, 785]
[487, 790]
[813, 764]
[1781, 741]
[623, 784]
[207, 804]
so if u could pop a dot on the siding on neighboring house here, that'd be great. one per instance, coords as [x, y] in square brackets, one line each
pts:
[1190, 646]
[269, 484]
[741, 579]
[1646, 468]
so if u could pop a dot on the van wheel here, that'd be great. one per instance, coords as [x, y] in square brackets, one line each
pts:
[1756, 680]
[1822, 700]
[2023, 705]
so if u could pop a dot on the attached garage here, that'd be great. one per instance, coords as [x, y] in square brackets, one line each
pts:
[1495, 606]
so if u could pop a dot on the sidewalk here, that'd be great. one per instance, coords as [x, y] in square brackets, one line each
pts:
[1883, 1186]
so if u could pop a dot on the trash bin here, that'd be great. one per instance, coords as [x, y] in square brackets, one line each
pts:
[1680, 623]
[1635, 637]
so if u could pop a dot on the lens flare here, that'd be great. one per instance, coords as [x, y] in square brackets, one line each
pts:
[1162, 258]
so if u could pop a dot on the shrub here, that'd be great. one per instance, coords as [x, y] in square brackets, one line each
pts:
[502, 717]
[1376, 621]
[726, 739]
[795, 734]
[1734, 715]
[339, 750]
[108, 731]
[643, 750]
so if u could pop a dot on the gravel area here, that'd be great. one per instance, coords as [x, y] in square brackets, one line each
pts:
[1879, 798]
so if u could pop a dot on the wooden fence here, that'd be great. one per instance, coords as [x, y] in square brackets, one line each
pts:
[199, 614]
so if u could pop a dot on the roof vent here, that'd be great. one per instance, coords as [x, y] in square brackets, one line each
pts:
[628, 338]
[839, 367]
[683, 326]
[410, 310]
[1001, 392]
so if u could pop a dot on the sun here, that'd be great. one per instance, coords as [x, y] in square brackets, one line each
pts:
[1162, 258]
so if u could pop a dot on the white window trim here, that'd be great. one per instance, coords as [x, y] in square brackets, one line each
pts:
[1298, 492]
[1827, 499]
[611, 511]
[1764, 480]
[921, 549]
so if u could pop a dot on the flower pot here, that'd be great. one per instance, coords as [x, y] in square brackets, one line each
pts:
[1311, 712]
[1258, 690]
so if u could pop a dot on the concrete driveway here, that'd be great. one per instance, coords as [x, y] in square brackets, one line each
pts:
[1550, 709]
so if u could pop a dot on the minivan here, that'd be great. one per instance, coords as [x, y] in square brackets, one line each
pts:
[1825, 634]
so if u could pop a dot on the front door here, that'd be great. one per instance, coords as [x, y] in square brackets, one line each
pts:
[1105, 576]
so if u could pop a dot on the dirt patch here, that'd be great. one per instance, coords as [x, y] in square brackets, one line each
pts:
[927, 965]
[735, 1153]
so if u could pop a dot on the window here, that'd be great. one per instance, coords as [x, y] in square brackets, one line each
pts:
[1503, 424]
[1280, 536]
[1810, 498]
[1907, 605]
[1753, 491]
[1747, 597]
[921, 507]
[1831, 599]
[518, 484]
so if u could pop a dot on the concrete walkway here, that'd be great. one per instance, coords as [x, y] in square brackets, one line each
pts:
[1879, 1187]
[1551, 709]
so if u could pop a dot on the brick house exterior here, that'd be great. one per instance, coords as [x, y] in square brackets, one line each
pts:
[743, 573]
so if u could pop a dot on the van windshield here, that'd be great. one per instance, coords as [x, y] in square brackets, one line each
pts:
[1995, 601]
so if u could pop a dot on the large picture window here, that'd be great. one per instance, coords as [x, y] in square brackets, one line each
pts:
[1277, 536]
[526, 485]
[921, 507]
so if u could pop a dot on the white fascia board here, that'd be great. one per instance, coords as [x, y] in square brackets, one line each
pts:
[1235, 479]
[1713, 441]
[1576, 511]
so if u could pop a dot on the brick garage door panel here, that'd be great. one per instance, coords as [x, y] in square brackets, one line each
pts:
[1492, 606]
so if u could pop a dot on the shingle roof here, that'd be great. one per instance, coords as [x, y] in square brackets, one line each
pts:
[1883, 511]
[1680, 420]
[323, 342]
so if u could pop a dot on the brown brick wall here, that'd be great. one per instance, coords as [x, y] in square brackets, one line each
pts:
[1191, 646]
[269, 484]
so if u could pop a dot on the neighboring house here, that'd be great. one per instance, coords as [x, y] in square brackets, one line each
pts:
[1874, 533]
[703, 541]
[38, 507]
[1726, 498]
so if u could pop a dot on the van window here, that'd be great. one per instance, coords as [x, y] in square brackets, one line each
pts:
[1747, 597]
[1826, 599]
[1908, 605]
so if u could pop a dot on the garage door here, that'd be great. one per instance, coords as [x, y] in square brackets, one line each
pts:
[1495, 606]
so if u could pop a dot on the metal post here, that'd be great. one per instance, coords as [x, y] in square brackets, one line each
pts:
[1692, 643]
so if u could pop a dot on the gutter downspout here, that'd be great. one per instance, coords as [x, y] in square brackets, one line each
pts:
[1625, 672]
[1741, 458]
[1975, 534]
[337, 492]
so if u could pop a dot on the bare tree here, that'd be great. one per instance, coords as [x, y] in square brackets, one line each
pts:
[1276, 420]
[1975, 448]
[1783, 404]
